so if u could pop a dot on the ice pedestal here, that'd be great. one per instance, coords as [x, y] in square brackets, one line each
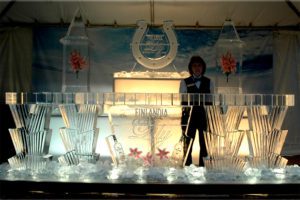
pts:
[31, 138]
[266, 138]
[264, 113]
[266, 147]
[80, 134]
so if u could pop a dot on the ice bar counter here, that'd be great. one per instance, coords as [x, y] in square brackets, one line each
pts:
[144, 141]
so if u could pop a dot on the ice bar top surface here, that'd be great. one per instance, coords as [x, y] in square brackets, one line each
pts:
[151, 99]
[104, 172]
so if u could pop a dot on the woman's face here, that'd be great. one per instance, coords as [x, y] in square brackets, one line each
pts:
[197, 69]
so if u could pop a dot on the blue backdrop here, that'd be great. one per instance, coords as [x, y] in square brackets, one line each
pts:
[111, 52]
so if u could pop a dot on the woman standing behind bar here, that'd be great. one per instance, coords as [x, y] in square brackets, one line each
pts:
[196, 83]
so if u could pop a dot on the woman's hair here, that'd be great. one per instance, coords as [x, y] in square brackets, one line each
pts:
[196, 59]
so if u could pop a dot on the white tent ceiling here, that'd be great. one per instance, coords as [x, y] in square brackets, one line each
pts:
[182, 13]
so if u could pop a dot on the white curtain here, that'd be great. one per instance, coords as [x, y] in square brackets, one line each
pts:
[15, 59]
[287, 81]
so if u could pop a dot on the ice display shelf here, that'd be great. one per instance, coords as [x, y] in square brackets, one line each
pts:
[150, 99]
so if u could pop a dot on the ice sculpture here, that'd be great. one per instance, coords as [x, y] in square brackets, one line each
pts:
[154, 51]
[265, 137]
[223, 152]
[31, 137]
[265, 114]
[153, 48]
[76, 56]
[223, 139]
[146, 125]
[80, 135]
[229, 59]
[145, 128]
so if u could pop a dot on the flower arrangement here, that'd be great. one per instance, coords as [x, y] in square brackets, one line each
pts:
[77, 62]
[228, 64]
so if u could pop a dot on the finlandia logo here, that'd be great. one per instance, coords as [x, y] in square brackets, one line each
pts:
[151, 112]
[154, 46]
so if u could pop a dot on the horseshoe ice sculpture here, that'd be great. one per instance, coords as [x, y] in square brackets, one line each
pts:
[154, 63]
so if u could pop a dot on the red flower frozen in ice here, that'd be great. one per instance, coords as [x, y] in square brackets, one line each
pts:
[135, 153]
[228, 64]
[162, 153]
[77, 61]
[148, 159]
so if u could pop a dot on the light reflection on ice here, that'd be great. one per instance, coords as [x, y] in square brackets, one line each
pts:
[114, 174]
[175, 175]
[104, 171]
[279, 173]
[195, 174]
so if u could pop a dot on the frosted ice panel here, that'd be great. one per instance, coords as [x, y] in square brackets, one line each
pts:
[82, 117]
[233, 141]
[32, 117]
[233, 117]
[147, 131]
[84, 143]
[215, 119]
[37, 143]
[18, 137]
[17, 162]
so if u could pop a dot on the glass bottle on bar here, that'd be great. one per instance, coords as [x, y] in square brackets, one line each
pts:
[120, 155]
[177, 154]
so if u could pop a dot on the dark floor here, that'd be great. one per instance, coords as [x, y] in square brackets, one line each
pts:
[293, 160]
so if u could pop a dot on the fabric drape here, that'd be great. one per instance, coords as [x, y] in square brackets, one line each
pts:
[15, 59]
[286, 73]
